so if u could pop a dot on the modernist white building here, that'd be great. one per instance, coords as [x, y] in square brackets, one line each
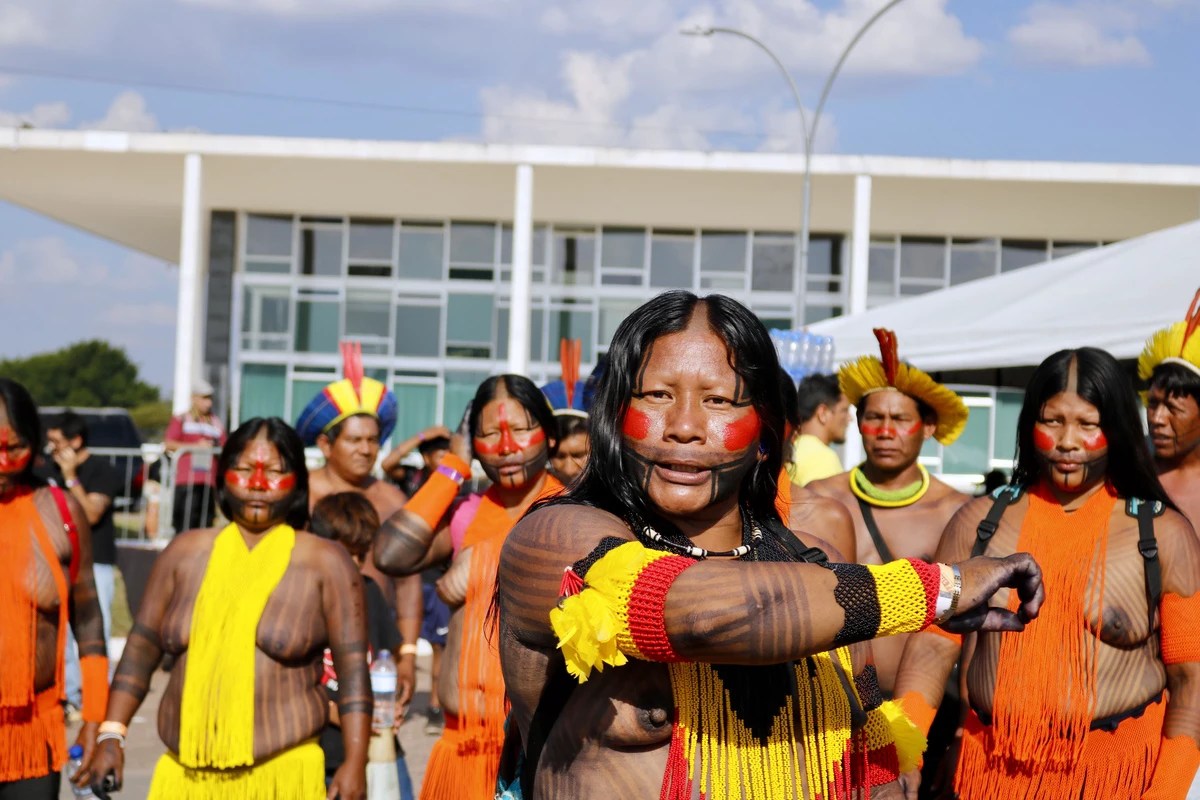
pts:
[452, 261]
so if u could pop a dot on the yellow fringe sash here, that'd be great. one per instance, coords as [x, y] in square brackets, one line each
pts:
[295, 774]
[216, 727]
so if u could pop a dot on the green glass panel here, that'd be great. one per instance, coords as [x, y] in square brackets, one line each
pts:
[262, 390]
[417, 409]
[460, 390]
[1008, 408]
[316, 327]
[969, 453]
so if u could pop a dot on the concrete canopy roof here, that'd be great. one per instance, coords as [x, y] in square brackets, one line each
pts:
[128, 187]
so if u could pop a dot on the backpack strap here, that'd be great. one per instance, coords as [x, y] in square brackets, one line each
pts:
[1145, 512]
[1002, 498]
[64, 511]
[868, 516]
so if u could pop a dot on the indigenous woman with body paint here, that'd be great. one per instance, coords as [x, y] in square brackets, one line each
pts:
[1101, 698]
[509, 428]
[45, 583]
[664, 635]
[247, 612]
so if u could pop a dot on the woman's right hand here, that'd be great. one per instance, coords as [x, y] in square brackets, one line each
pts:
[108, 759]
[983, 577]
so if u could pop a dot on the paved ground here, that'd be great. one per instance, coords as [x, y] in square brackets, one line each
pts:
[143, 746]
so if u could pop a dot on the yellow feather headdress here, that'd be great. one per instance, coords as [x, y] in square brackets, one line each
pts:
[870, 374]
[1174, 344]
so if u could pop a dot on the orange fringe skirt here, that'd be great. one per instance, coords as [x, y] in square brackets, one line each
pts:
[1112, 764]
[28, 734]
[462, 765]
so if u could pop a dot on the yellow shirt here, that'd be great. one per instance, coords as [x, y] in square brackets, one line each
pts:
[812, 460]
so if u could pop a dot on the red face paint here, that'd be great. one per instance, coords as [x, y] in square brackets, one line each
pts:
[258, 480]
[14, 457]
[507, 442]
[741, 434]
[1042, 440]
[880, 429]
[1097, 441]
[636, 424]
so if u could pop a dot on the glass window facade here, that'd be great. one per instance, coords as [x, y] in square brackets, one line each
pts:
[902, 266]
[429, 299]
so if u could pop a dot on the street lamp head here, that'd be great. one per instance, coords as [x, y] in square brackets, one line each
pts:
[697, 30]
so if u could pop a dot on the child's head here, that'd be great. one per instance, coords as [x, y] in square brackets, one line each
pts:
[347, 518]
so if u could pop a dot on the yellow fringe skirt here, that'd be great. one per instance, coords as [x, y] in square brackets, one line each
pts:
[295, 774]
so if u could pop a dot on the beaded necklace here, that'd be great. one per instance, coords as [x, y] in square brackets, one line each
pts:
[868, 492]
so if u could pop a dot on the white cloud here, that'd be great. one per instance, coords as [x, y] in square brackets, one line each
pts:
[1084, 35]
[782, 127]
[43, 115]
[127, 112]
[313, 9]
[47, 260]
[19, 26]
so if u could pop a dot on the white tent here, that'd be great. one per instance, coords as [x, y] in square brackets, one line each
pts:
[1112, 297]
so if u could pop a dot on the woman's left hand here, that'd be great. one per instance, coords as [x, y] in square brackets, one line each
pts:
[349, 783]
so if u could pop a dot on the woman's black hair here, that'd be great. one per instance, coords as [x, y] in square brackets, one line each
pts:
[525, 392]
[1100, 381]
[605, 482]
[291, 451]
[23, 417]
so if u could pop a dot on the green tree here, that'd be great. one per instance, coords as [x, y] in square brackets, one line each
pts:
[84, 374]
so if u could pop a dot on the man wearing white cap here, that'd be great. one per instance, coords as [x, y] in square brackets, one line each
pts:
[197, 428]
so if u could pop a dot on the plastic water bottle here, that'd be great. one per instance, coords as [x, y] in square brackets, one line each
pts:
[383, 686]
[75, 756]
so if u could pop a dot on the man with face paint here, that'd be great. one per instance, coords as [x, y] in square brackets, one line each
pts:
[247, 612]
[46, 583]
[348, 421]
[1170, 366]
[664, 635]
[899, 510]
[509, 428]
[1101, 698]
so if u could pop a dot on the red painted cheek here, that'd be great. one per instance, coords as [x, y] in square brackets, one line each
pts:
[284, 483]
[486, 448]
[636, 424]
[1042, 440]
[741, 434]
[11, 463]
[536, 437]
[1097, 442]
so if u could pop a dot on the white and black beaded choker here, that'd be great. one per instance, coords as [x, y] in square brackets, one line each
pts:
[699, 552]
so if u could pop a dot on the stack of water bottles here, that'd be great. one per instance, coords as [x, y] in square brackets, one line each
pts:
[802, 353]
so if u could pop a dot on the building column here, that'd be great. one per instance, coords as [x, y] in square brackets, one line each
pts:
[188, 313]
[522, 273]
[860, 248]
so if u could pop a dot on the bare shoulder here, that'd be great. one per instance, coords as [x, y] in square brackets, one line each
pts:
[946, 496]
[189, 548]
[835, 486]
[386, 497]
[318, 552]
[541, 546]
[1178, 553]
[829, 522]
[565, 529]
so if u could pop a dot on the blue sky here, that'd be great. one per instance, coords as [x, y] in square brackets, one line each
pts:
[1088, 80]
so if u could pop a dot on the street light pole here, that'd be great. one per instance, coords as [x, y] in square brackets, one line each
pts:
[809, 132]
